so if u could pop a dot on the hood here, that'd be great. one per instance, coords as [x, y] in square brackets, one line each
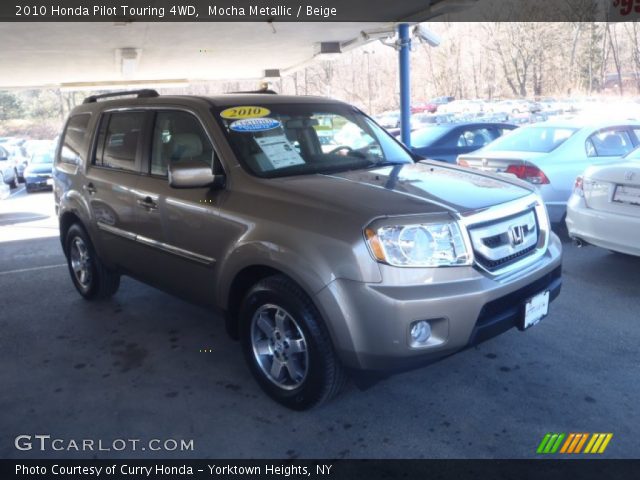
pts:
[425, 187]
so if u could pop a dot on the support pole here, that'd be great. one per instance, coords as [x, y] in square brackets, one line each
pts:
[404, 37]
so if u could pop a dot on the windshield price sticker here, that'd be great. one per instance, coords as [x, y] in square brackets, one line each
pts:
[279, 151]
[249, 125]
[237, 113]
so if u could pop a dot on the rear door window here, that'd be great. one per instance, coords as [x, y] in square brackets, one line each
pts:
[119, 141]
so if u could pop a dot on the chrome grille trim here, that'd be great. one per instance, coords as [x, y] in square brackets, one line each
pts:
[494, 243]
[503, 214]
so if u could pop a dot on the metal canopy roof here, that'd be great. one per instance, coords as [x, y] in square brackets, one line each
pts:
[59, 54]
[76, 55]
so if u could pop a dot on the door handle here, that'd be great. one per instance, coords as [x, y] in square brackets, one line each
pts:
[148, 203]
[90, 188]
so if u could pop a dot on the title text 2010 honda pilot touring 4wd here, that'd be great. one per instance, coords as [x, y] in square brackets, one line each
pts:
[327, 245]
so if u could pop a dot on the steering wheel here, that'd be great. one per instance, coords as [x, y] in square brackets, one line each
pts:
[341, 147]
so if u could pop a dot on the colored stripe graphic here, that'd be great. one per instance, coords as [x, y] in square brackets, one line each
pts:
[574, 442]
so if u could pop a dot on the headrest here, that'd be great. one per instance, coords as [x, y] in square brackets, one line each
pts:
[479, 140]
[186, 145]
[612, 142]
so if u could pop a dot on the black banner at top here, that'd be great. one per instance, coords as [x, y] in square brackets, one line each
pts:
[317, 10]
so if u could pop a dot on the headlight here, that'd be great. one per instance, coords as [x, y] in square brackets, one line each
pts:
[421, 245]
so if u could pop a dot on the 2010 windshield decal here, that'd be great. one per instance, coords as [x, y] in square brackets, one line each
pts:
[238, 113]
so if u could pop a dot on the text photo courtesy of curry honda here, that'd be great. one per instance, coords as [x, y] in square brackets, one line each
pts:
[282, 239]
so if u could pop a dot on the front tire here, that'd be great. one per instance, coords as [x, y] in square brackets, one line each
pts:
[90, 276]
[287, 346]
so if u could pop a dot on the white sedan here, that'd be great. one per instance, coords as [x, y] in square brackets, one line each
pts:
[604, 209]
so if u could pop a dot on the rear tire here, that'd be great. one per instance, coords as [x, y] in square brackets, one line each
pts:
[92, 279]
[287, 346]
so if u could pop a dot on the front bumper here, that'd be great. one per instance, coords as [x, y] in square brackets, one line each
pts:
[612, 231]
[370, 323]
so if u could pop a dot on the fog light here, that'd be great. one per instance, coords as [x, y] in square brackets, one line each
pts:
[420, 332]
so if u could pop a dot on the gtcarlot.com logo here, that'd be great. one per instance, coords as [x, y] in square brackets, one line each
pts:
[574, 443]
[45, 443]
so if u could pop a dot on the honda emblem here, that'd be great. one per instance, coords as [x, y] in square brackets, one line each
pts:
[516, 235]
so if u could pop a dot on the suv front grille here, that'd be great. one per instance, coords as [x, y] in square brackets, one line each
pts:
[500, 243]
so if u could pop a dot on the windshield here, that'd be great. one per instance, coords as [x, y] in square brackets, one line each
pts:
[298, 139]
[532, 139]
[44, 157]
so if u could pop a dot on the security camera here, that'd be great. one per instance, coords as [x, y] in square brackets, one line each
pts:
[423, 32]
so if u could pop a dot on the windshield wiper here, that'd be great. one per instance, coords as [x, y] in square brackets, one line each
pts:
[386, 163]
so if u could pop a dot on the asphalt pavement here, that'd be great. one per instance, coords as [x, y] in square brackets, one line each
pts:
[145, 365]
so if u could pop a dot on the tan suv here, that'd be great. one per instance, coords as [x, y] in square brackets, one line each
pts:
[329, 247]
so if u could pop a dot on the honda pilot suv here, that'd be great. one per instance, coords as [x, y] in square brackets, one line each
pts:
[328, 246]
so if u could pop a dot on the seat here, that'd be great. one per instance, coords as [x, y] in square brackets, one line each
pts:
[185, 146]
[479, 140]
[612, 145]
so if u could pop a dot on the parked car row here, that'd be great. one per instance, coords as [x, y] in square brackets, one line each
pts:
[26, 161]
[515, 111]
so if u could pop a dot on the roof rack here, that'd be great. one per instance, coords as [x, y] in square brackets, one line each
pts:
[144, 93]
[262, 90]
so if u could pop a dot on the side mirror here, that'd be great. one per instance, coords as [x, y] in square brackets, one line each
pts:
[187, 174]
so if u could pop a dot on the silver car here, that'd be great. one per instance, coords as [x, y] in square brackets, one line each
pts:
[550, 155]
[604, 209]
[323, 260]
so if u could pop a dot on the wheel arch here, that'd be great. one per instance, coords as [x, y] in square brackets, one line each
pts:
[246, 277]
[67, 219]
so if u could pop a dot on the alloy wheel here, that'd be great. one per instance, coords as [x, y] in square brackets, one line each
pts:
[279, 346]
[81, 262]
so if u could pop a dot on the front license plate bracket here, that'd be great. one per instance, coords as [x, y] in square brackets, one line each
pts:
[535, 309]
